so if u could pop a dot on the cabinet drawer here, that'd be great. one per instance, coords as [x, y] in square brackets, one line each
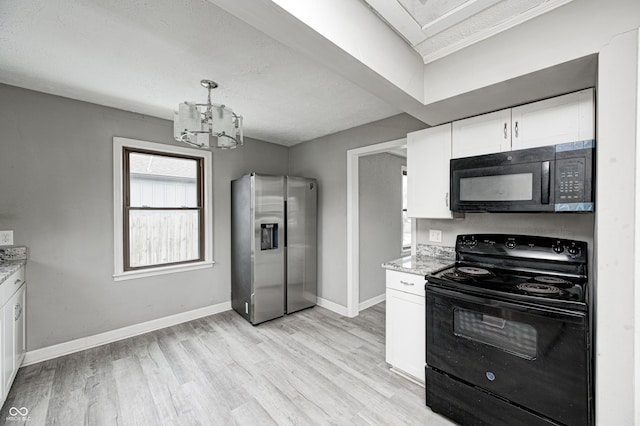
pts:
[11, 285]
[408, 283]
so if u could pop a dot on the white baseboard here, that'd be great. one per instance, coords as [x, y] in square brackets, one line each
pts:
[408, 376]
[76, 345]
[342, 310]
[332, 306]
[373, 301]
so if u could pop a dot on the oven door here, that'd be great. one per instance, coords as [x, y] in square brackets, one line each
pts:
[504, 182]
[535, 357]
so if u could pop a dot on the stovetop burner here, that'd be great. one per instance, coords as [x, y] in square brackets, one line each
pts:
[473, 271]
[539, 288]
[467, 274]
[457, 276]
[552, 281]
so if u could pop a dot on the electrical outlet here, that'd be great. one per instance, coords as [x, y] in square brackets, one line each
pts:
[6, 238]
[435, 235]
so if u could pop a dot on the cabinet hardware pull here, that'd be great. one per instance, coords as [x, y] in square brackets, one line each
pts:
[17, 315]
[516, 129]
[18, 281]
[406, 283]
[446, 199]
[505, 130]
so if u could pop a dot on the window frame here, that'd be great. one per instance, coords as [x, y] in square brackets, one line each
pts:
[121, 146]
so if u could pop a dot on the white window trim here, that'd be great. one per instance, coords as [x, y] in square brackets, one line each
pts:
[118, 209]
[405, 250]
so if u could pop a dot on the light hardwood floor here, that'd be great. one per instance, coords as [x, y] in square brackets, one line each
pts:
[312, 367]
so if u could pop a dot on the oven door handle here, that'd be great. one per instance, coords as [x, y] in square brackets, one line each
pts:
[547, 311]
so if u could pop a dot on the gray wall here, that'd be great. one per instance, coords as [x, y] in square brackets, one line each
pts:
[380, 191]
[326, 160]
[57, 196]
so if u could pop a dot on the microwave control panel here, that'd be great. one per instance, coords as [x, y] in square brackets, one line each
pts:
[570, 179]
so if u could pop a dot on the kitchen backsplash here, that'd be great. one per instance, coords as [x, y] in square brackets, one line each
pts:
[440, 252]
[13, 253]
[571, 226]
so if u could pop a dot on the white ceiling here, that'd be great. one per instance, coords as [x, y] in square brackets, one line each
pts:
[313, 75]
[436, 28]
[147, 56]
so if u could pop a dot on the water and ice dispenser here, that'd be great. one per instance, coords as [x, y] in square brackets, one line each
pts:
[269, 236]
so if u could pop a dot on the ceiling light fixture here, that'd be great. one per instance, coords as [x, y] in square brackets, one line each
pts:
[207, 125]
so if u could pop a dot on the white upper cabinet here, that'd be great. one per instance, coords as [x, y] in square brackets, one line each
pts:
[484, 134]
[567, 118]
[428, 155]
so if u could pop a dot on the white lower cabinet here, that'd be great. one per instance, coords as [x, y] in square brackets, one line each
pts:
[405, 323]
[12, 327]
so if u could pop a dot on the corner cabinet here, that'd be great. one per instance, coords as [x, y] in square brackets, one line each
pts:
[566, 118]
[13, 300]
[428, 155]
[405, 323]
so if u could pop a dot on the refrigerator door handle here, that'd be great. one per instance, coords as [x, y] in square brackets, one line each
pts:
[285, 223]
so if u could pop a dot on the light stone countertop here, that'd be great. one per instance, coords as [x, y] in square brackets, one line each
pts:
[427, 260]
[11, 259]
[418, 265]
[9, 267]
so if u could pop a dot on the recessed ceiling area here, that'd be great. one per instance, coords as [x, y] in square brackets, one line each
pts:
[147, 57]
[436, 28]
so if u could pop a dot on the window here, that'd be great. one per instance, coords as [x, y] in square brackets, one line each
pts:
[163, 213]
[406, 220]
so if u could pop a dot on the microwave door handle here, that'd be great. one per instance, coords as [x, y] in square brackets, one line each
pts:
[545, 182]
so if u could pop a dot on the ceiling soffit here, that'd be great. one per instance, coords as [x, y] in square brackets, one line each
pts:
[437, 28]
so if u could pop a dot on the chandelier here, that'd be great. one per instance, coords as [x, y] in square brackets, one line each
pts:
[207, 125]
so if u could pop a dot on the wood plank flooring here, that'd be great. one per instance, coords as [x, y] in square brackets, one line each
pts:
[310, 368]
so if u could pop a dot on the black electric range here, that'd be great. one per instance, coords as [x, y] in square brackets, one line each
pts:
[508, 332]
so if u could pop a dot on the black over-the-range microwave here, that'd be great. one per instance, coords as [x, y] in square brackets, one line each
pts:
[556, 178]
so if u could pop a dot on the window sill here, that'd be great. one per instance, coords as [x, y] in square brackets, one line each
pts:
[161, 270]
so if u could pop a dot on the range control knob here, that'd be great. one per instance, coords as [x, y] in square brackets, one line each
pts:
[558, 248]
[511, 244]
[573, 250]
[472, 243]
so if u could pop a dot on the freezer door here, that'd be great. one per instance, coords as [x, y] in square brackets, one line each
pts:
[302, 200]
[241, 245]
[268, 249]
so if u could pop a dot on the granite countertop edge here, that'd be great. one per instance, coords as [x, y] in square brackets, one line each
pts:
[428, 258]
[9, 267]
[12, 258]
[417, 265]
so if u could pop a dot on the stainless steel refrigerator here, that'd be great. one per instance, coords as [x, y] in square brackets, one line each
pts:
[273, 245]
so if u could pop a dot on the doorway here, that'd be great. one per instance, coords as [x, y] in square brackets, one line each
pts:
[353, 218]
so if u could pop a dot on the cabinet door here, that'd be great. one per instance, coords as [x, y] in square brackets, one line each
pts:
[428, 155]
[19, 330]
[567, 118]
[405, 333]
[8, 344]
[484, 134]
